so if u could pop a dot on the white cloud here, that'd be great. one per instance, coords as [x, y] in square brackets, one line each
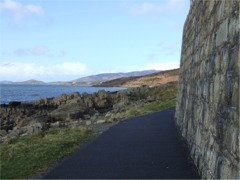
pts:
[59, 54]
[163, 66]
[20, 11]
[22, 71]
[21, 52]
[150, 66]
[39, 51]
[152, 57]
[69, 68]
[170, 6]
[170, 48]
[175, 26]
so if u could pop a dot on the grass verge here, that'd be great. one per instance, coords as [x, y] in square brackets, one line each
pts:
[167, 96]
[149, 108]
[26, 156]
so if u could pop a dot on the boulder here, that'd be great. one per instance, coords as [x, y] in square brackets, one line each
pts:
[94, 117]
[3, 132]
[67, 99]
[20, 122]
[60, 100]
[68, 112]
[108, 115]
[86, 116]
[15, 133]
[34, 129]
[74, 98]
[102, 101]
[40, 102]
[14, 104]
[88, 122]
[88, 100]
[100, 121]
[55, 124]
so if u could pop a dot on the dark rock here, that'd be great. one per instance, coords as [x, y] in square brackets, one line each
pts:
[14, 103]
[88, 100]
[34, 129]
[68, 112]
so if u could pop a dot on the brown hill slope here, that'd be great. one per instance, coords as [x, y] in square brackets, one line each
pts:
[155, 79]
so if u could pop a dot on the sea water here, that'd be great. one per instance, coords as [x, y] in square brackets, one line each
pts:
[28, 93]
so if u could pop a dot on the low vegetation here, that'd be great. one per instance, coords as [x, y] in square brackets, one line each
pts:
[25, 156]
[149, 108]
[168, 99]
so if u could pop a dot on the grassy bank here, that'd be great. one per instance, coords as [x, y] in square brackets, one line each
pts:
[149, 108]
[167, 96]
[25, 156]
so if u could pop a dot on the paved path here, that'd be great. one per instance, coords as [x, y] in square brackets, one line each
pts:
[146, 147]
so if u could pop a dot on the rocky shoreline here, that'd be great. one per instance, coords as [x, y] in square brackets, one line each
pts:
[98, 111]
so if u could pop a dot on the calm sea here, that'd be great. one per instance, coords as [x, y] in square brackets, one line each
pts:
[27, 93]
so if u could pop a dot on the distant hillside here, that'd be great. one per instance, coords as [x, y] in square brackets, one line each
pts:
[6, 82]
[32, 81]
[110, 76]
[90, 80]
[148, 80]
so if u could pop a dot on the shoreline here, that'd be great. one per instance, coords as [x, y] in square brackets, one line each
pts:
[74, 110]
[33, 93]
[49, 120]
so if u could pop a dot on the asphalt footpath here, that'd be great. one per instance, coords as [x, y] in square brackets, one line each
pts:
[144, 147]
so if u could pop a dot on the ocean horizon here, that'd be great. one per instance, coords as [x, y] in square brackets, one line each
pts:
[29, 93]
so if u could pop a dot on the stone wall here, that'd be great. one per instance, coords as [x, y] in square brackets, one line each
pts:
[207, 111]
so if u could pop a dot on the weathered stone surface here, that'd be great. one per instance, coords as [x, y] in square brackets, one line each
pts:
[55, 124]
[34, 128]
[101, 121]
[207, 111]
[222, 33]
[88, 122]
[3, 132]
[102, 101]
[88, 100]
[68, 112]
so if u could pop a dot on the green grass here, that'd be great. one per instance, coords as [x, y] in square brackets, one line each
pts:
[26, 156]
[167, 95]
[149, 108]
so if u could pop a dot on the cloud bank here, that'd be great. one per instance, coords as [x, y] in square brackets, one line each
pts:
[150, 66]
[66, 71]
[163, 66]
[20, 11]
[37, 50]
[169, 7]
[16, 71]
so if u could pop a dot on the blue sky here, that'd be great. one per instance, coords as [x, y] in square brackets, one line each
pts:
[53, 40]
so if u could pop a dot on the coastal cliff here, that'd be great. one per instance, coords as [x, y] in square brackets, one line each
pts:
[207, 111]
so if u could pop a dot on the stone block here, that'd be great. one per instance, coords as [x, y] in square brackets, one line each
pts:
[233, 27]
[221, 11]
[222, 33]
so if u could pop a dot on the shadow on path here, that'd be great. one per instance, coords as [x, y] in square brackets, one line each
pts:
[145, 147]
